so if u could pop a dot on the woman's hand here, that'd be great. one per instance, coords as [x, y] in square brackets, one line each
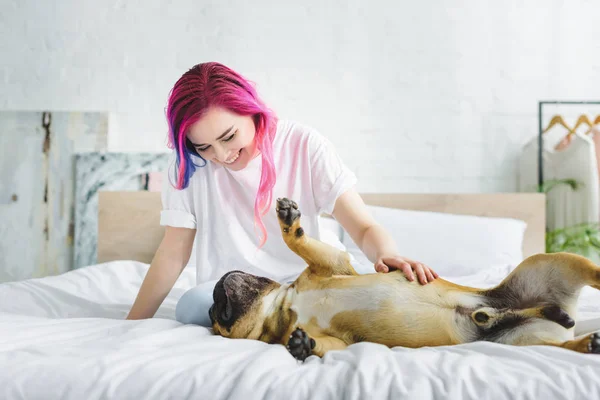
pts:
[409, 267]
[374, 241]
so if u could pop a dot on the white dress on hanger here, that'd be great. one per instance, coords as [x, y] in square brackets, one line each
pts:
[576, 160]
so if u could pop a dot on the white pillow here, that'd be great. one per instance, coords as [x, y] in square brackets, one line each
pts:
[330, 232]
[450, 244]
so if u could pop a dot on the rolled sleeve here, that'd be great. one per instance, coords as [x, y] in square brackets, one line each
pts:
[177, 204]
[344, 181]
[330, 176]
[177, 218]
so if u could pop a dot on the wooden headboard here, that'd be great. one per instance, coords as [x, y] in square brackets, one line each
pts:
[128, 222]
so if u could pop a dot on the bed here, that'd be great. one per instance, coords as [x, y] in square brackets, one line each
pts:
[65, 336]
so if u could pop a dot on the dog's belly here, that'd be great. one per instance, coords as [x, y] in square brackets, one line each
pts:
[425, 325]
[388, 312]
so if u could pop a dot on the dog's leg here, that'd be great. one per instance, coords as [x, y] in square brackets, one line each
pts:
[537, 331]
[322, 258]
[301, 345]
[545, 279]
[488, 318]
[589, 344]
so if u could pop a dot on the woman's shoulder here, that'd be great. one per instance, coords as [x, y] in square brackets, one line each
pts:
[292, 133]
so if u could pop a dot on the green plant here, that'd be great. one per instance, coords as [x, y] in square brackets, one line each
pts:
[552, 183]
[582, 239]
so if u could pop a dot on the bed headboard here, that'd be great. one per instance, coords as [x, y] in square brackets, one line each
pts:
[128, 222]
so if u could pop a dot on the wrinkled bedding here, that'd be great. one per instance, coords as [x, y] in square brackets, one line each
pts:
[66, 337]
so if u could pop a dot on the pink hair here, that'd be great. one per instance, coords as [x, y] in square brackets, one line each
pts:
[213, 84]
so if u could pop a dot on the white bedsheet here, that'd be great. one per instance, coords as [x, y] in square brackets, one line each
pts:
[65, 337]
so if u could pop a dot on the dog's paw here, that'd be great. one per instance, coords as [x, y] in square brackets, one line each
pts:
[300, 345]
[558, 315]
[594, 343]
[287, 211]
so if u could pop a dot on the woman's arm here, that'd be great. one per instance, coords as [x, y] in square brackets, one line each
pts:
[169, 261]
[374, 241]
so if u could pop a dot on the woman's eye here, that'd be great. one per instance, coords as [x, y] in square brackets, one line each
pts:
[227, 139]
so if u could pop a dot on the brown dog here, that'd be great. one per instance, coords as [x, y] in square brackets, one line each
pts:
[329, 306]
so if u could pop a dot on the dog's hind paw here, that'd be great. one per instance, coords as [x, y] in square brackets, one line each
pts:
[287, 211]
[300, 345]
[594, 344]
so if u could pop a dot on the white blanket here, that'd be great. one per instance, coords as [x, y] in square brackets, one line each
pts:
[65, 337]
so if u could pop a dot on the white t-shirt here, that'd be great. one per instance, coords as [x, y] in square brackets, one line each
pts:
[565, 207]
[219, 204]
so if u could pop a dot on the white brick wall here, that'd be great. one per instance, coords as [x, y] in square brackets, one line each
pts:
[427, 96]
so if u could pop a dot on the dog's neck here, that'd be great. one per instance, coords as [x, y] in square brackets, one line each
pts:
[277, 300]
[277, 313]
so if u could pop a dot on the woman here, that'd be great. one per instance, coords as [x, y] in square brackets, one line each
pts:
[232, 157]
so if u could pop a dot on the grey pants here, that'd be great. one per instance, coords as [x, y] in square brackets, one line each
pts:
[193, 306]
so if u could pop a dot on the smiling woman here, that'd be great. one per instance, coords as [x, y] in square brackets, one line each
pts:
[232, 156]
[233, 147]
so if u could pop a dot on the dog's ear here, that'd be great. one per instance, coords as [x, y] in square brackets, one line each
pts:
[210, 314]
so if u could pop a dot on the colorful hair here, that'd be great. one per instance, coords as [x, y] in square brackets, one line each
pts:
[214, 85]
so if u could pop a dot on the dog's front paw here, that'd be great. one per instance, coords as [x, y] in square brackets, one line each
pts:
[300, 345]
[287, 211]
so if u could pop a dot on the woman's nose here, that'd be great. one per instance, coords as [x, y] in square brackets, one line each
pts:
[221, 153]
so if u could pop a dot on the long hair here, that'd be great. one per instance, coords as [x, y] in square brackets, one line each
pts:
[213, 84]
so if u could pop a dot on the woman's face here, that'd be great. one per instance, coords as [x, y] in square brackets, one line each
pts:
[225, 138]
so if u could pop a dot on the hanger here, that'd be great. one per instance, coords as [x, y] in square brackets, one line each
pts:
[558, 119]
[583, 119]
[596, 122]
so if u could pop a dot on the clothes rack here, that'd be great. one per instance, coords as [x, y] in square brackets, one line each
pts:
[541, 131]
